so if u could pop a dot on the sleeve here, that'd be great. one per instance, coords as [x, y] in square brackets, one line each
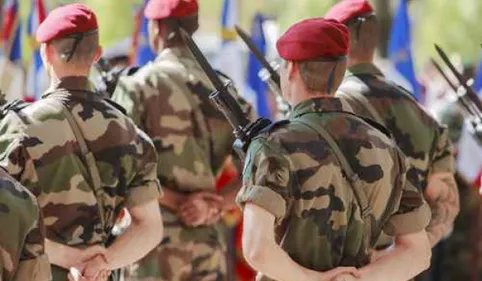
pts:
[129, 94]
[413, 213]
[266, 178]
[14, 156]
[443, 157]
[145, 186]
[34, 264]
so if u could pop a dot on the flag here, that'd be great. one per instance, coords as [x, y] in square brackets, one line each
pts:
[229, 58]
[229, 18]
[469, 162]
[478, 79]
[140, 40]
[36, 81]
[400, 49]
[11, 32]
[12, 77]
[254, 66]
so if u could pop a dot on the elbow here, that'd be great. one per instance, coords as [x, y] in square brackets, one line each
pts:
[255, 254]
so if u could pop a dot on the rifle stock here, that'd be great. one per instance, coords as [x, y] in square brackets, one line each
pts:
[243, 129]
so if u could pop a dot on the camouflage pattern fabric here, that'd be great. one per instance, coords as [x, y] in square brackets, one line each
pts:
[295, 175]
[421, 138]
[22, 235]
[40, 150]
[169, 100]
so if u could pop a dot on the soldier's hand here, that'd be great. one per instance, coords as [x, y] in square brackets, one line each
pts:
[331, 275]
[194, 212]
[344, 277]
[96, 269]
[201, 208]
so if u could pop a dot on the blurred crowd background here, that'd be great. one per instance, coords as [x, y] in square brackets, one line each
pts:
[409, 30]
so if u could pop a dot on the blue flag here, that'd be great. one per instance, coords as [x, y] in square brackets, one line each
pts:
[478, 79]
[36, 17]
[229, 18]
[253, 81]
[144, 54]
[400, 49]
[11, 35]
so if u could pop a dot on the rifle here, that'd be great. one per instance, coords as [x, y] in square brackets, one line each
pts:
[243, 130]
[268, 74]
[465, 94]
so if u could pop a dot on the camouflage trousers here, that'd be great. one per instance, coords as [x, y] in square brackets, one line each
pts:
[185, 254]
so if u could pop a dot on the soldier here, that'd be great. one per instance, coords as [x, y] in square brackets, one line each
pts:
[325, 181]
[82, 157]
[22, 236]
[421, 138]
[169, 100]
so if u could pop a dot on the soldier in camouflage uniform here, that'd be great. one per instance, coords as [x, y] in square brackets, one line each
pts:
[421, 138]
[22, 236]
[326, 181]
[169, 100]
[82, 157]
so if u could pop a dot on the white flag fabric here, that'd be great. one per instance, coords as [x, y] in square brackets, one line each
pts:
[469, 160]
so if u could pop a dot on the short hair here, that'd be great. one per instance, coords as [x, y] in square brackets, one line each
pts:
[364, 33]
[84, 53]
[316, 75]
[190, 24]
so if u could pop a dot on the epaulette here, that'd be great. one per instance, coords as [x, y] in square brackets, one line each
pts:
[116, 105]
[15, 106]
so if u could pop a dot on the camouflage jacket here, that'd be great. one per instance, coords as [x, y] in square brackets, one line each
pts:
[40, 150]
[294, 174]
[169, 100]
[22, 236]
[421, 138]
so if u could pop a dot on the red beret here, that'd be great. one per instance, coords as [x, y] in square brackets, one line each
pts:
[314, 38]
[66, 20]
[347, 10]
[162, 9]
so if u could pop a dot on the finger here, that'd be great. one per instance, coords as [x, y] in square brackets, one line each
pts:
[348, 270]
[213, 197]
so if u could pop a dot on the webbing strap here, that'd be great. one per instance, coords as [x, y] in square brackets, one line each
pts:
[87, 156]
[353, 179]
[348, 91]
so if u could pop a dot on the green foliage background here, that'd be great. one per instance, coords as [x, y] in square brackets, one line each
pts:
[455, 24]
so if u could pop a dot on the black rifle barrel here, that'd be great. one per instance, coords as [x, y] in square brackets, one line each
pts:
[221, 97]
[257, 53]
[461, 99]
[463, 82]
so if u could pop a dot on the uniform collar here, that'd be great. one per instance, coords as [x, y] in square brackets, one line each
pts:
[75, 85]
[318, 104]
[173, 53]
[364, 68]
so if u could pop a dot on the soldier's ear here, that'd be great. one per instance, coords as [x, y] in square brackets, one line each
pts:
[292, 69]
[98, 54]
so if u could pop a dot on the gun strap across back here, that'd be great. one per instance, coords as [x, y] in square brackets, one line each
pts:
[348, 92]
[370, 227]
[88, 158]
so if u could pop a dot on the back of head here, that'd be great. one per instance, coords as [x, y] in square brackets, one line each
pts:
[318, 47]
[359, 17]
[72, 32]
[169, 16]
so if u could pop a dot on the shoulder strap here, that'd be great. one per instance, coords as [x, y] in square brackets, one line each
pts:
[347, 91]
[355, 183]
[87, 156]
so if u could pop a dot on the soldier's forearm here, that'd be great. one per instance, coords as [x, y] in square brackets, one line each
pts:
[443, 197]
[145, 232]
[229, 194]
[172, 199]
[408, 257]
